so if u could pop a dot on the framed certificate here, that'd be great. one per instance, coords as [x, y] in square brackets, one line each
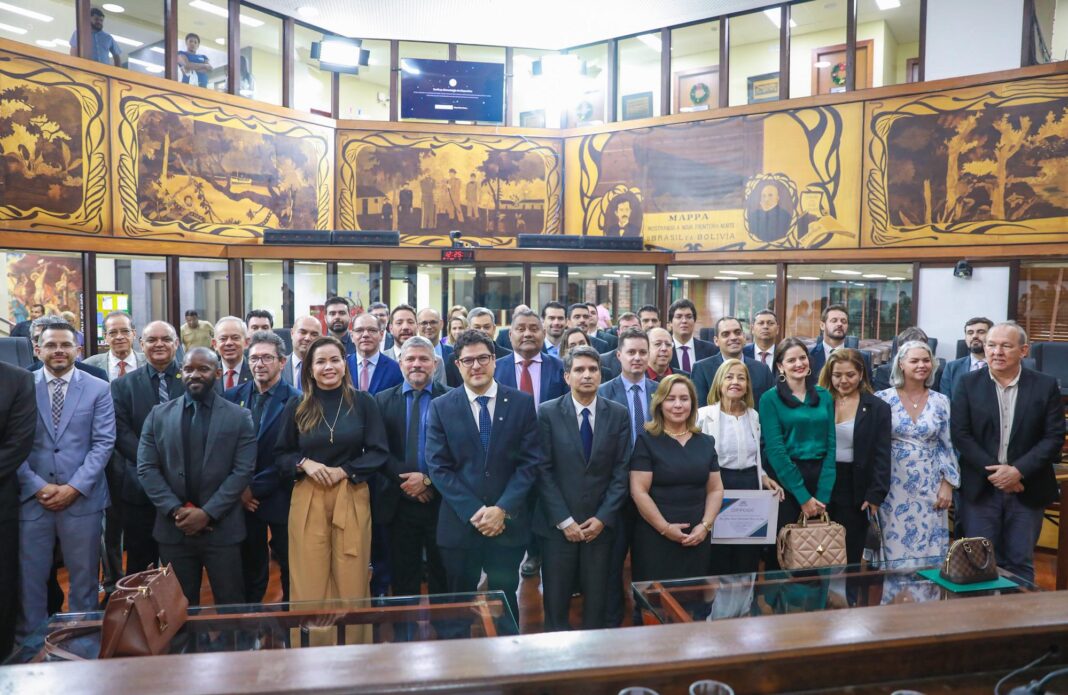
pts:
[747, 517]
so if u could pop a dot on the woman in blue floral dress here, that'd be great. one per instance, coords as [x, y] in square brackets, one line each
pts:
[923, 464]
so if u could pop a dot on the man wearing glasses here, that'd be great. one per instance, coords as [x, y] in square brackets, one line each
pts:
[429, 326]
[136, 394]
[266, 499]
[371, 370]
[483, 453]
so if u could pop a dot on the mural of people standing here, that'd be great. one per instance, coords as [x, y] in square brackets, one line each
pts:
[430, 215]
[471, 198]
[456, 214]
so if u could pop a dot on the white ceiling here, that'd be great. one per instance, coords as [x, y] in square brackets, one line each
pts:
[551, 24]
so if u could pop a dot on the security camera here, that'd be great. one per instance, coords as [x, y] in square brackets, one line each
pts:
[455, 236]
[963, 269]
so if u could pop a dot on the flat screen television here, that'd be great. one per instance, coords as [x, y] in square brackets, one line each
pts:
[452, 90]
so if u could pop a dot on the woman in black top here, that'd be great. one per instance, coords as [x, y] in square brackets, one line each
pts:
[333, 441]
[675, 483]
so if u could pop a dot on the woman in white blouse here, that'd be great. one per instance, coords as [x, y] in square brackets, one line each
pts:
[734, 423]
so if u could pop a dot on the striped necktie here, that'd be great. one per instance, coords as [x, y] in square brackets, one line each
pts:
[485, 422]
[57, 402]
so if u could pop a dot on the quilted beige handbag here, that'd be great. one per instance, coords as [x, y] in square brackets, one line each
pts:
[811, 543]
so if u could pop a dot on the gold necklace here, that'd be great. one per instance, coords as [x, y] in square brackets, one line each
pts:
[915, 404]
[331, 427]
[676, 435]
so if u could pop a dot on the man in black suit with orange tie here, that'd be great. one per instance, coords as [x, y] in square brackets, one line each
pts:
[586, 440]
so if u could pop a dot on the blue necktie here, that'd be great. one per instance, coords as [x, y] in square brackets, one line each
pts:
[485, 422]
[586, 430]
[161, 385]
[639, 413]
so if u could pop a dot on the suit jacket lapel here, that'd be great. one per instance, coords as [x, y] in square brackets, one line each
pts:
[599, 430]
[500, 412]
[44, 402]
[1023, 391]
[271, 411]
[567, 410]
[213, 429]
[70, 403]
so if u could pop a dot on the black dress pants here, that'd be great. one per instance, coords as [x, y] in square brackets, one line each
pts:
[412, 532]
[464, 567]
[562, 562]
[256, 557]
[223, 563]
[142, 549]
[845, 509]
[9, 584]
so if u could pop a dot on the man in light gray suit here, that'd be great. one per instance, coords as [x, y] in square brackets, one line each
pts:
[306, 329]
[120, 359]
[62, 492]
[196, 456]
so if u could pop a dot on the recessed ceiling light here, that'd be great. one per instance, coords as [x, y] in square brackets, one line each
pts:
[112, 7]
[308, 12]
[771, 275]
[221, 41]
[157, 49]
[61, 42]
[127, 42]
[11, 29]
[684, 275]
[652, 41]
[610, 275]
[15, 9]
[873, 275]
[725, 277]
[150, 67]
[672, 277]
[895, 278]
[885, 5]
[45, 43]
[735, 272]
[846, 272]
[806, 277]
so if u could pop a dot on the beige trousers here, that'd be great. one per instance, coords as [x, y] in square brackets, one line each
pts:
[330, 551]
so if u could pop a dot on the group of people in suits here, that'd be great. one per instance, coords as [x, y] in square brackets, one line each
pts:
[376, 449]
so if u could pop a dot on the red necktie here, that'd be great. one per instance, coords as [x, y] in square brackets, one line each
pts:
[764, 358]
[229, 379]
[685, 358]
[526, 384]
[122, 368]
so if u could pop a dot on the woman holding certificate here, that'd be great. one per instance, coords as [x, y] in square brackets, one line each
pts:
[735, 426]
[798, 424]
[862, 447]
[675, 483]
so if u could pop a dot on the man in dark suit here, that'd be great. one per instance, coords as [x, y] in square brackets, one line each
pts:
[1007, 424]
[834, 324]
[682, 315]
[649, 315]
[765, 338]
[730, 339]
[609, 360]
[527, 367]
[266, 499]
[371, 370]
[136, 394]
[484, 455]
[22, 328]
[975, 331]
[429, 326]
[579, 316]
[339, 320]
[406, 501]
[305, 331]
[481, 320]
[581, 490]
[196, 455]
[634, 390]
[230, 342]
[18, 425]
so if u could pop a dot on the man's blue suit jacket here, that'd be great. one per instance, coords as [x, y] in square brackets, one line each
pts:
[552, 376]
[387, 373]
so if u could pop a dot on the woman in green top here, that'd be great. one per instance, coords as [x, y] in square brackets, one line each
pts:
[798, 425]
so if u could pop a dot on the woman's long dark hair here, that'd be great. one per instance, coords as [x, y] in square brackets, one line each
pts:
[310, 411]
[781, 385]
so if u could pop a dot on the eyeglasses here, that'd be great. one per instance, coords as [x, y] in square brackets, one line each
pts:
[469, 362]
[262, 359]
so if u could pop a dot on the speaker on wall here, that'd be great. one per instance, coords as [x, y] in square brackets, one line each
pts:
[575, 241]
[318, 237]
[348, 237]
[609, 243]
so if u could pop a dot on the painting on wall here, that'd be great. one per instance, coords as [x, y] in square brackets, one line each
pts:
[977, 165]
[53, 149]
[762, 88]
[198, 170]
[424, 186]
[54, 281]
[768, 181]
[696, 89]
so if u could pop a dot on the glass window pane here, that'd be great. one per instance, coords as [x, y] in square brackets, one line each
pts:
[894, 34]
[639, 77]
[311, 86]
[545, 285]
[414, 49]
[818, 50]
[586, 96]
[462, 286]
[717, 291]
[263, 289]
[695, 67]
[207, 20]
[499, 288]
[366, 95]
[261, 56]
[1042, 299]
[360, 282]
[204, 285]
[51, 28]
[754, 57]
[428, 287]
[538, 97]
[138, 31]
[878, 297]
[52, 280]
[134, 284]
[481, 54]
[309, 287]
[626, 287]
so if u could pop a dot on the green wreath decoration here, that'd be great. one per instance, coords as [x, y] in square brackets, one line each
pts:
[838, 75]
[699, 93]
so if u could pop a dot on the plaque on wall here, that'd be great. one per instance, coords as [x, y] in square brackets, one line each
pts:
[636, 106]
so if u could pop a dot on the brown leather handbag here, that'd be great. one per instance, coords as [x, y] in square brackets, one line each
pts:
[970, 561]
[811, 544]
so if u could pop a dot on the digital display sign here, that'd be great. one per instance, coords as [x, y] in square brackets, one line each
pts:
[457, 255]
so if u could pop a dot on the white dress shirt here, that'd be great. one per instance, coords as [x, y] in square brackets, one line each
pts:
[771, 355]
[974, 363]
[237, 369]
[65, 380]
[827, 349]
[297, 364]
[113, 364]
[476, 408]
[1007, 411]
[535, 374]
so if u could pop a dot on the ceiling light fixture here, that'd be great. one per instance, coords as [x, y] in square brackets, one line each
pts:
[806, 277]
[885, 5]
[735, 272]
[895, 278]
[846, 272]
[686, 277]
[775, 15]
[874, 276]
[112, 7]
[127, 42]
[12, 30]
[150, 67]
[14, 9]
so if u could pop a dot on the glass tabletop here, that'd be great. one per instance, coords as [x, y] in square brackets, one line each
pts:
[784, 591]
[253, 627]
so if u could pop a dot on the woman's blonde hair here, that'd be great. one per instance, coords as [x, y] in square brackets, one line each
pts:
[310, 411]
[721, 376]
[845, 355]
[655, 426]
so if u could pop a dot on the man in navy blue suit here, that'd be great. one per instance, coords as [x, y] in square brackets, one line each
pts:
[483, 453]
[834, 325]
[371, 370]
[730, 339]
[528, 368]
[975, 337]
[266, 499]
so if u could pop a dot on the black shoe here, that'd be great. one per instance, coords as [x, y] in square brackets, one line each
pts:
[531, 566]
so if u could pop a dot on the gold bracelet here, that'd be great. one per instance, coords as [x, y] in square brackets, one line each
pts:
[707, 525]
[666, 529]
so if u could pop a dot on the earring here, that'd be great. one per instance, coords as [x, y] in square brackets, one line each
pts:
[809, 372]
[782, 377]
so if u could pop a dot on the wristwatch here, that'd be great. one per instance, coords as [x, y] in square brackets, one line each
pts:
[427, 482]
[707, 525]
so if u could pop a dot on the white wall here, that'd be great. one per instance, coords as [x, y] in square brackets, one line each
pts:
[946, 302]
[991, 28]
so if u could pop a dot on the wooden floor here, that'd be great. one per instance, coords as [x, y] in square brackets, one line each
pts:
[531, 617]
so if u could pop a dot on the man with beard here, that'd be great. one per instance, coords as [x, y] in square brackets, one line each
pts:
[371, 370]
[730, 339]
[231, 341]
[579, 316]
[610, 360]
[136, 394]
[338, 321]
[649, 315]
[834, 324]
[259, 320]
[304, 332]
[975, 330]
[402, 325]
[554, 320]
[196, 456]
